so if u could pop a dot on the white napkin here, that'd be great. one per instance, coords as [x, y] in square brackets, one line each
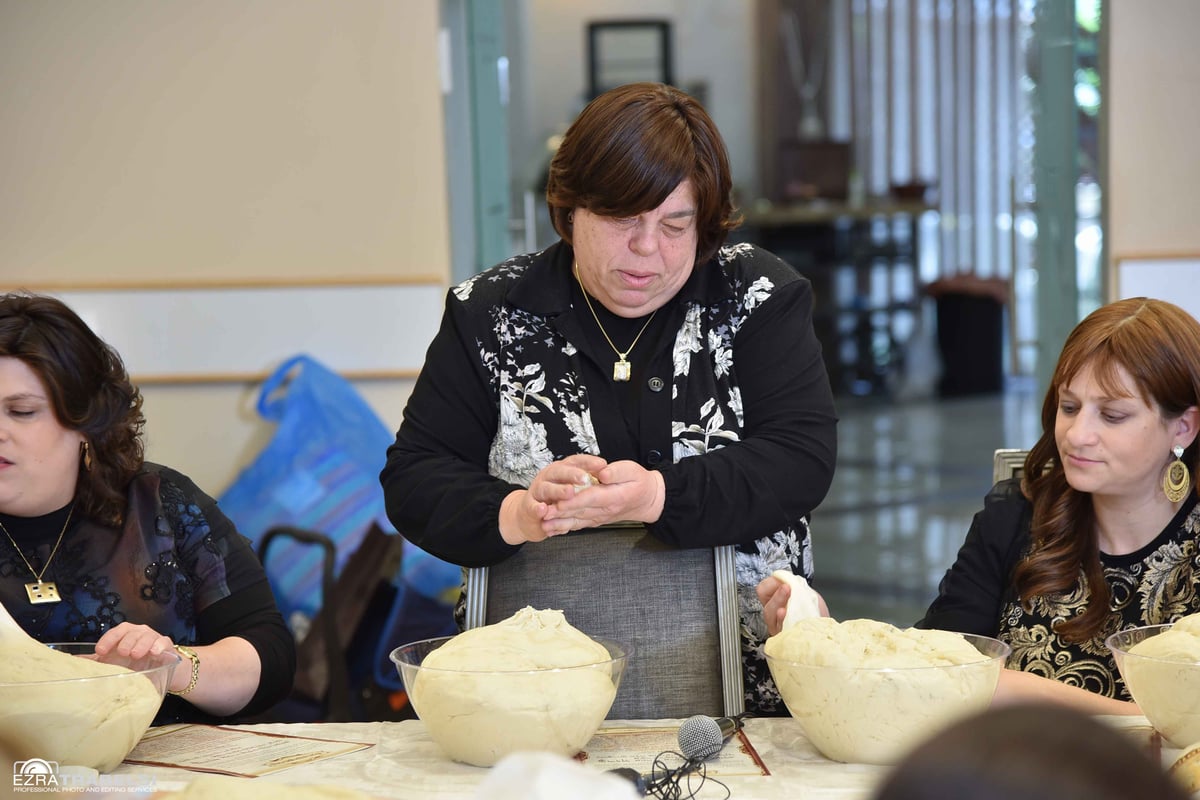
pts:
[547, 776]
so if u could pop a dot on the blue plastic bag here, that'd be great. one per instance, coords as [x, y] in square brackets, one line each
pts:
[320, 471]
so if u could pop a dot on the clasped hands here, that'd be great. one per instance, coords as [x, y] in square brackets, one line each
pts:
[581, 491]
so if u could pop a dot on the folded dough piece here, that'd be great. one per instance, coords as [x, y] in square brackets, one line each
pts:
[804, 602]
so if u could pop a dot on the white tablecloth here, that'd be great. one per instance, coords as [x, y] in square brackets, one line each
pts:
[405, 763]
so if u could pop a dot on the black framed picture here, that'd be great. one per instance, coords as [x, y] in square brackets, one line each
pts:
[628, 51]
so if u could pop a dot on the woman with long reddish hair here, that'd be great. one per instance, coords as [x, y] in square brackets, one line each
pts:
[1102, 532]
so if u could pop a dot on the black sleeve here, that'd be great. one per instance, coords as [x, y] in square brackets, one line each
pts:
[232, 595]
[975, 588]
[783, 466]
[437, 492]
[252, 615]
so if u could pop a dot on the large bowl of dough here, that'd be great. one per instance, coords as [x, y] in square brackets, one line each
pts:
[530, 682]
[62, 703]
[867, 692]
[1160, 665]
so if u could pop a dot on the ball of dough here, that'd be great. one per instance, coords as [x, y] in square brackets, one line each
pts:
[1163, 676]
[1186, 769]
[865, 691]
[530, 682]
[72, 710]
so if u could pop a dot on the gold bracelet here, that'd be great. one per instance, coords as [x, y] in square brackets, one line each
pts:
[189, 654]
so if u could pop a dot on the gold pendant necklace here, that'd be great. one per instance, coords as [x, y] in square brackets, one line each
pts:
[41, 591]
[622, 369]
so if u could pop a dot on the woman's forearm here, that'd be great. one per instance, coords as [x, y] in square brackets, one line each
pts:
[228, 677]
[1025, 687]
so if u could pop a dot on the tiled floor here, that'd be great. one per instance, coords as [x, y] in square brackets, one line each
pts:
[909, 478]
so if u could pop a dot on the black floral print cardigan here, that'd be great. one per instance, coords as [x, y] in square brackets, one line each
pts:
[518, 377]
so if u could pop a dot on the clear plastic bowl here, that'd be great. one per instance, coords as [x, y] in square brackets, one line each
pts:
[91, 722]
[1167, 690]
[876, 715]
[479, 716]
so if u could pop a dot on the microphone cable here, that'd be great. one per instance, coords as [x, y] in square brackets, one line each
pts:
[679, 783]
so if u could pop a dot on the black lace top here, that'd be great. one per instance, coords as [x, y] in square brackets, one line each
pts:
[177, 565]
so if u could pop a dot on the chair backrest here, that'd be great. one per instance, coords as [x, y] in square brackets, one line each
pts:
[676, 608]
[1008, 463]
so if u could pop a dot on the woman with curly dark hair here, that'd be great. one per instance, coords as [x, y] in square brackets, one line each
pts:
[1103, 531]
[101, 546]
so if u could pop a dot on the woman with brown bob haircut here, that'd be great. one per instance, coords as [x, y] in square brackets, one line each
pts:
[676, 379]
[630, 150]
[101, 546]
[1101, 532]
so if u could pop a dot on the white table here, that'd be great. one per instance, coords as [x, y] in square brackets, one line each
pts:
[405, 763]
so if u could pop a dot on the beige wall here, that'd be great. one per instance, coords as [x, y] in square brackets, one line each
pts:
[220, 140]
[176, 143]
[1153, 118]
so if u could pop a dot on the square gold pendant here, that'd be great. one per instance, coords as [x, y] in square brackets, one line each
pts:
[621, 370]
[42, 592]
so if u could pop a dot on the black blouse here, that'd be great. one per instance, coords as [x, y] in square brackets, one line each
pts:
[1157, 584]
[520, 375]
[441, 496]
[177, 565]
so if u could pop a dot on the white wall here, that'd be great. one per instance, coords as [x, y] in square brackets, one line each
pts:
[713, 44]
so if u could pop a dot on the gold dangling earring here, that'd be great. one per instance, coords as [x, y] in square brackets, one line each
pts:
[87, 456]
[1176, 481]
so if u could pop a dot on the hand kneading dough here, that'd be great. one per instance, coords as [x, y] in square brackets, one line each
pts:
[84, 723]
[480, 700]
[865, 691]
[1168, 690]
[803, 603]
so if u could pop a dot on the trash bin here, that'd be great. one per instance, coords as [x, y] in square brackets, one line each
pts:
[970, 334]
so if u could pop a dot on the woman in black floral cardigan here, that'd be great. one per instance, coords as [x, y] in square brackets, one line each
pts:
[635, 370]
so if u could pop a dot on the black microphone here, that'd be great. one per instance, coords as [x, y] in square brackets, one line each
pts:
[701, 737]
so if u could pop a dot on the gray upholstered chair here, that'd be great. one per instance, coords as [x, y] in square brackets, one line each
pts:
[676, 608]
[1008, 463]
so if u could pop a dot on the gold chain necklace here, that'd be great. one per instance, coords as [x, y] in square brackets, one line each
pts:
[622, 369]
[41, 591]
